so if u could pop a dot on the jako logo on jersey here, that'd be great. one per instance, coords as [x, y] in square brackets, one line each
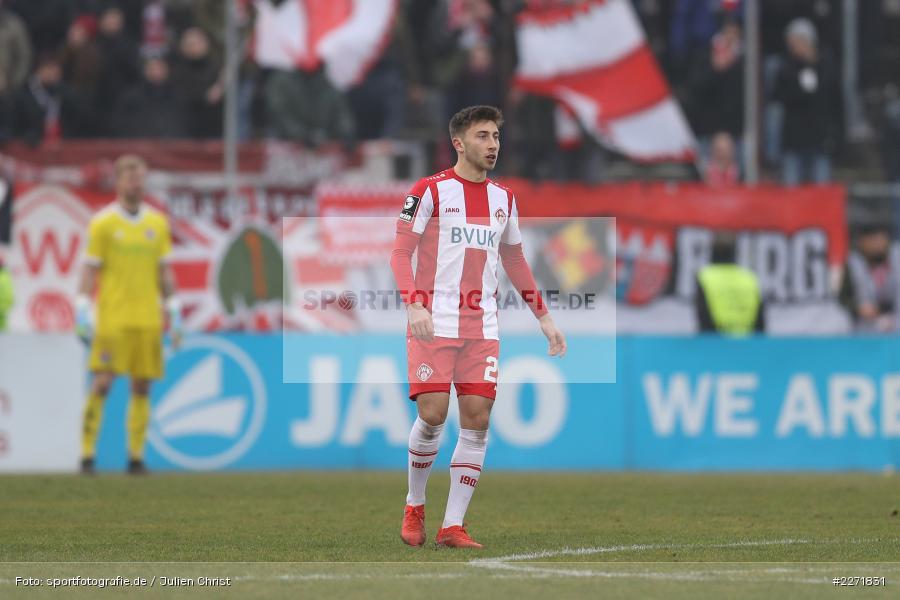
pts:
[501, 216]
[215, 408]
[451, 209]
[473, 236]
[424, 372]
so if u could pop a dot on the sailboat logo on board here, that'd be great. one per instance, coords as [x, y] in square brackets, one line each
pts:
[214, 409]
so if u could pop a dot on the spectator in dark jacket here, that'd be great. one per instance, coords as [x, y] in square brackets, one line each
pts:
[379, 101]
[151, 109]
[305, 107]
[479, 82]
[807, 88]
[45, 109]
[536, 136]
[81, 67]
[119, 63]
[195, 76]
[464, 35]
[717, 89]
[694, 23]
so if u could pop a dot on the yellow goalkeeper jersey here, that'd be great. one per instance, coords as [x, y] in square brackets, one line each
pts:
[128, 248]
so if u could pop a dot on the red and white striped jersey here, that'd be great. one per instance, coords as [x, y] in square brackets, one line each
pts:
[457, 227]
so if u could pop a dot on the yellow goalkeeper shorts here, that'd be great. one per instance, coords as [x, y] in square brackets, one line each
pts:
[134, 352]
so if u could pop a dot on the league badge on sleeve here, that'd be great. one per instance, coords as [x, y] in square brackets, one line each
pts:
[409, 208]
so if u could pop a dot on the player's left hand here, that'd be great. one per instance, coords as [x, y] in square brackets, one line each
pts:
[554, 336]
[84, 327]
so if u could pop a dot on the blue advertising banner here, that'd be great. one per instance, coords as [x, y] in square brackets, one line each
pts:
[678, 404]
[762, 403]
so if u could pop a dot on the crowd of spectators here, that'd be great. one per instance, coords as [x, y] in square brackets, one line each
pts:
[153, 68]
[96, 69]
[802, 125]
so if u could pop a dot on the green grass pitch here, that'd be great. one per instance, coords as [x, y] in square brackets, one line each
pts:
[546, 535]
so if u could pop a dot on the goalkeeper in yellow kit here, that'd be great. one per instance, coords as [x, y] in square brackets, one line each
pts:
[126, 260]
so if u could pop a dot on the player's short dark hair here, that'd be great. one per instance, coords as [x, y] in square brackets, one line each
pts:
[474, 114]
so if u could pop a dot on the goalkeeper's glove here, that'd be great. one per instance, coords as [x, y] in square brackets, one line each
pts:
[84, 327]
[176, 329]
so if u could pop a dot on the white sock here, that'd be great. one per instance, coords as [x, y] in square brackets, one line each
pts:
[424, 440]
[465, 468]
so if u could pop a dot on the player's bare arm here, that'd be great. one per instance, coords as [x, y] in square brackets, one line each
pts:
[520, 275]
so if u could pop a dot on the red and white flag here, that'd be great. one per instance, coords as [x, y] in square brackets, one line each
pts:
[594, 59]
[348, 36]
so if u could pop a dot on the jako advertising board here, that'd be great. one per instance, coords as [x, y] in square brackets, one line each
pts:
[677, 404]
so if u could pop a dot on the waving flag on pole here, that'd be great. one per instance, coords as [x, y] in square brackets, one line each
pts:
[347, 36]
[593, 58]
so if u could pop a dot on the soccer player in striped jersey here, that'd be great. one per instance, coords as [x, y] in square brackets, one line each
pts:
[127, 249]
[462, 226]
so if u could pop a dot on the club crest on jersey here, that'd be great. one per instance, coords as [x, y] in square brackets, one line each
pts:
[501, 216]
[149, 234]
[409, 208]
[424, 372]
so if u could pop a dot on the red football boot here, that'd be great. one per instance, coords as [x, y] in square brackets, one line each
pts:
[413, 530]
[455, 537]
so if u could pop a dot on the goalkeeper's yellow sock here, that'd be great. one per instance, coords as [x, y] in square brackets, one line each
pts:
[138, 420]
[93, 414]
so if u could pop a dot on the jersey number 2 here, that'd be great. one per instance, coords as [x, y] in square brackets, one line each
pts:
[490, 371]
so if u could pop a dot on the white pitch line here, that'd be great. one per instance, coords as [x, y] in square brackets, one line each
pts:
[632, 548]
[504, 563]
[592, 573]
[706, 575]
[344, 576]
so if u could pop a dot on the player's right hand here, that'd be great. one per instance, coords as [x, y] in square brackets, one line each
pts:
[84, 328]
[420, 323]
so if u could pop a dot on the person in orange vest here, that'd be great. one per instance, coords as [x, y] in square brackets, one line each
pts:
[728, 299]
